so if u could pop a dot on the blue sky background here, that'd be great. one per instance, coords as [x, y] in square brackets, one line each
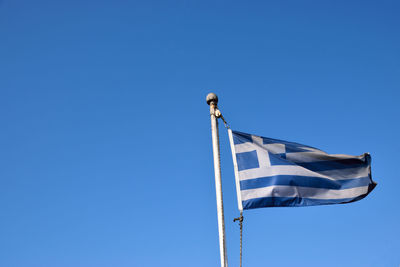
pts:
[105, 141]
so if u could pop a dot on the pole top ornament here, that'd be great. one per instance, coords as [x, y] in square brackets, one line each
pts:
[211, 97]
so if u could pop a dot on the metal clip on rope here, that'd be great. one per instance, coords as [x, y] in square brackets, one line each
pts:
[218, 114]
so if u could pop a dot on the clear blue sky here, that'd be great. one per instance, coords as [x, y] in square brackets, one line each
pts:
[105, 141]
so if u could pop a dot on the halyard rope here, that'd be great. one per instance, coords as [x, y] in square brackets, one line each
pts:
[240, 219]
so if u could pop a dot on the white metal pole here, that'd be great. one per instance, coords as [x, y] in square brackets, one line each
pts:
[212, 100]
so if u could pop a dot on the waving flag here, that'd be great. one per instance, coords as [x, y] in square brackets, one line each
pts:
[275, 173]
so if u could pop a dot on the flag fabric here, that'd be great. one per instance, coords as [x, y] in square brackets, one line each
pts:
[276, 173]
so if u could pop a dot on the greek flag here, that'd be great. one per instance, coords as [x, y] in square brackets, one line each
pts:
[275, 173]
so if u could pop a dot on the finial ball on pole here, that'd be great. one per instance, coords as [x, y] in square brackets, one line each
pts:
[211, 97]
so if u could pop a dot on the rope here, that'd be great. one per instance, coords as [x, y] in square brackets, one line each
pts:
[240, 219]
[225, 123]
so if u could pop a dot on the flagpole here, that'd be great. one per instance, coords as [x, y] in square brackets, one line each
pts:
[212, 100]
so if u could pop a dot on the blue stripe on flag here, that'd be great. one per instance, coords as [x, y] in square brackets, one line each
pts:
[279, 159]
[277, 141]
[333, 164]
[303, 181]
[289, 149]
[289, 202]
